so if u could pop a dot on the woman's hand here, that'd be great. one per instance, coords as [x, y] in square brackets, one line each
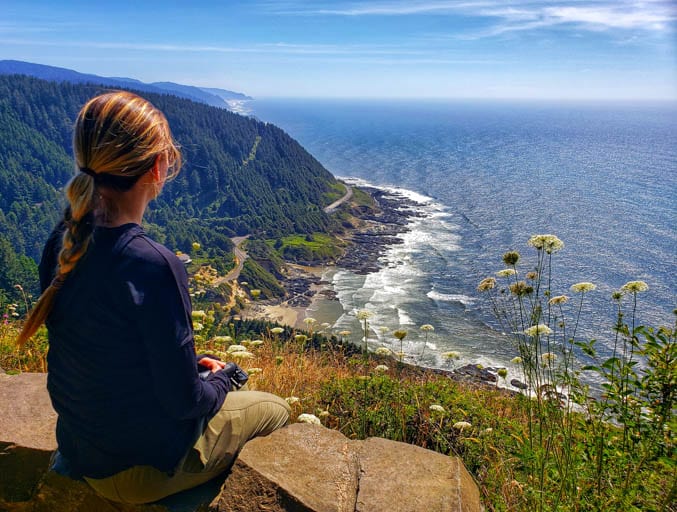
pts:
[210, 364]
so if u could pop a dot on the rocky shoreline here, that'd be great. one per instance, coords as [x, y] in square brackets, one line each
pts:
[382, 228]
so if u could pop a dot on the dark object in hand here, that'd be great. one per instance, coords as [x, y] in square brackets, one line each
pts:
[238, 377]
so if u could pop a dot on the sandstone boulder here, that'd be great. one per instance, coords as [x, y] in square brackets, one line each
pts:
[309, 468]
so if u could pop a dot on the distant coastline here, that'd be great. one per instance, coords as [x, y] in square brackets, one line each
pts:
[309, 287]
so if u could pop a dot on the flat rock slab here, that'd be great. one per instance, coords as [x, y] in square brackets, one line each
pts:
[27, 440]
[24, 402]
[402, 477]
[300, 468]
[310, 468]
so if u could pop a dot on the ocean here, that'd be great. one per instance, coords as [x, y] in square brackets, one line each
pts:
[487, 176]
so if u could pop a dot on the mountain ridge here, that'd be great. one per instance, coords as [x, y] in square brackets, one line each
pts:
[210, 96]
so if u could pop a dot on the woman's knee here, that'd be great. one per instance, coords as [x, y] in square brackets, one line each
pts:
[264, 413]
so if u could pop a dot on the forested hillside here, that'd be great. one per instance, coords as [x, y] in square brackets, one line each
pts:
[240, 175]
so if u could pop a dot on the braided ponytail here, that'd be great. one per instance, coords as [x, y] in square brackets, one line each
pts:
[117, 138]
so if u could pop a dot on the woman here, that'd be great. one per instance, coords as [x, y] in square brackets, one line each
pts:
[134, 418]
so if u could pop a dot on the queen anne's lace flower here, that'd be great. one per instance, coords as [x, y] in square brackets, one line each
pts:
[506, 272]
[277, 330]
[635, 287]
[462, 425]
[383, 351]
[381, 368]
[452, 354]
[309, 418]
[291, 400]
[536, 330]
[427, 328]
[548, 357]
[583, 287]
[548, 243]
[559, 299]
[236, 348]
[486, 284]
[436, 408]
[242, 355]
[363, 314]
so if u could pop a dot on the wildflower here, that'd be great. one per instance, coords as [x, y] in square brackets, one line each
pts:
[400, 334]
[400, 355]
[511, 258]
[196, 246]
[381, 368]
[198, 314]
[277, 330]
[540, 329]
[521, 288]
[617, 295]
[344, 333]
[383, 351]
[309, 418]
[242, 355]
[427, 328]
[451, 355]
[502, 373]
[384, 330]
[236, 348]
[309, 321]
[634, 287]
[436, 408]
[506, 272]
[255, 293]
[486, 284]
[301, 338]
[246, 343]
[548, 243]
[256, 343]
[487, 430]
[254, 371]
[462, 425]
[197, 327]
[291, 400]
[583, 287]
[532, 276]
[559, 299]
[279, 360]
[323, 414]
[324, 325]
[363, 314]
[222, 339]
[548, 357]
[516, 360]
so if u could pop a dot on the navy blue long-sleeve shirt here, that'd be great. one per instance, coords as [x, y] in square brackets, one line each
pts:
[122, 372]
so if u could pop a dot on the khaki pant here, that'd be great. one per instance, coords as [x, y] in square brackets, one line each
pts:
[243, 416]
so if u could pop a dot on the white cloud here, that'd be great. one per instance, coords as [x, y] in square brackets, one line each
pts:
[514, 15]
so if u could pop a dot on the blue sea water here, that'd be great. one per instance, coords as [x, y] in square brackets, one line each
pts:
[487, 176]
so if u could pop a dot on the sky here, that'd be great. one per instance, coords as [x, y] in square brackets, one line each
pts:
[494, 49]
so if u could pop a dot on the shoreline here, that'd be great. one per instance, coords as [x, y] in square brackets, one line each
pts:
[310, 288]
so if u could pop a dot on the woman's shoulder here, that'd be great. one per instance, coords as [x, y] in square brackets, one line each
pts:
[140, 252]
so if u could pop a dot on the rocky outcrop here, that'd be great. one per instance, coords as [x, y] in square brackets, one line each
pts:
[305, 468]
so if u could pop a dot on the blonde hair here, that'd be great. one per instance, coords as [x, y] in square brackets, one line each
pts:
[118, 137]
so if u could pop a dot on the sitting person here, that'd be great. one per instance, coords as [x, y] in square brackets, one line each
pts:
[135, 419]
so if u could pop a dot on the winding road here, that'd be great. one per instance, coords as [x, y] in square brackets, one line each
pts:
[332, 207]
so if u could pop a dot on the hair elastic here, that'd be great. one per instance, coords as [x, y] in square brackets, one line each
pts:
[89, 172]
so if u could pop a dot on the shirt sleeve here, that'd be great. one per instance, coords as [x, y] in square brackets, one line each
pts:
[158, 288]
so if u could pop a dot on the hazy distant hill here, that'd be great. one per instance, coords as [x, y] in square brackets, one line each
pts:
[213, 97]
[240, 175]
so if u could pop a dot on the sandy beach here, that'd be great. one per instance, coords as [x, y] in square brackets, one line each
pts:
[321, 308]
